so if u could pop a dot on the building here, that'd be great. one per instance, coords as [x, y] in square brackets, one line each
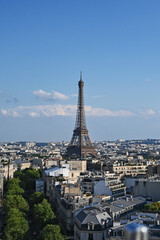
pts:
[8, 169]
[66, 199]
[58, 171]
[40, 185]
[21, 165]
[147, 187]
[124, 206]
[97, 184]
[91, 223]
[153, 170]
[110, 187]
[129, 169]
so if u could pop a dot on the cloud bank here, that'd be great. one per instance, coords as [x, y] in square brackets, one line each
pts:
[49, 96]
[61, 110]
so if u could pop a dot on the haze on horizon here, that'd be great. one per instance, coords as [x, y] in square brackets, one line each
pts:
[45, 45]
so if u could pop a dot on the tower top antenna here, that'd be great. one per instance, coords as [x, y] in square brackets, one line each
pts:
[80, 76]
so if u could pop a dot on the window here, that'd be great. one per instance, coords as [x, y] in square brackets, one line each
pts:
[90, 236]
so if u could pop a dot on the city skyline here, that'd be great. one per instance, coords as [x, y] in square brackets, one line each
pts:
[44, 46]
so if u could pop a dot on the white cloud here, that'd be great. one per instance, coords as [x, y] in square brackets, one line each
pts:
[49, 96]
[33, 114]
[4, 112]
[105, 112]
[147, 112]
[61, 110]
[150, 112]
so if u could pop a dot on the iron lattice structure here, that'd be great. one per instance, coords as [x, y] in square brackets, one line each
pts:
[80, 144]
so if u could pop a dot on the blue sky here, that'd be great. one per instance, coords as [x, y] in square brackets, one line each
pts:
[45, 44]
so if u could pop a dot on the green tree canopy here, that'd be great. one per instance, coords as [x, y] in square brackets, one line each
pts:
[51, 232]
[36, 198]
[15, 190]
[16, 201]
[27, 178]
[43, 213]
[17, 225]
[13, 181]
[13, 187]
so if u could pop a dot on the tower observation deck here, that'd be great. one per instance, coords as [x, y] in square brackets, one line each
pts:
[80, 144]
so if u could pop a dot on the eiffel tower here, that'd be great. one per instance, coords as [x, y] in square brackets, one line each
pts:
[80, 144]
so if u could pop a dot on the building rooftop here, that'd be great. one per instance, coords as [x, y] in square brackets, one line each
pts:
[94, 215]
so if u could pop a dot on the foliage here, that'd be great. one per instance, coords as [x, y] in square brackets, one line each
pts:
[18, 174]
[13, 181]
[17, 225]
[13, 188]
[155, 206]
[16, 206]
[15, 201]
[43, 213]
[27, 178]
[51, 232]
[36, 198]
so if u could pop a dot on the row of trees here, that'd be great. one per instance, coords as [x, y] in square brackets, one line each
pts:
[16, 208]
[44, 218]
[22, 203]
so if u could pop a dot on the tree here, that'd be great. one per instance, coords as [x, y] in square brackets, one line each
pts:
[43, 213]
[36, 198]
[13, 187]
[15, 190]
[17, 225]
[51, 232]
[27, 179]
[16, 201]
[13, 181]
[18, 174]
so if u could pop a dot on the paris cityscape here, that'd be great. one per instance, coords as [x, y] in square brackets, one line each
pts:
[80, 120]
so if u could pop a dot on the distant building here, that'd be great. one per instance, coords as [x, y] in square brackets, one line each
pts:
[129, 169]
[21, 165]
[153, 170]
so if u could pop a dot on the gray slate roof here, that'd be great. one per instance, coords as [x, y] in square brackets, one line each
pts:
[93, 215]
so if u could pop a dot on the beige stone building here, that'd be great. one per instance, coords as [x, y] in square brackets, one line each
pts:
[129, 169]
[8, 170]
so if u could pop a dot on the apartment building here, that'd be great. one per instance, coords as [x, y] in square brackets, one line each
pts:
[129, 169]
